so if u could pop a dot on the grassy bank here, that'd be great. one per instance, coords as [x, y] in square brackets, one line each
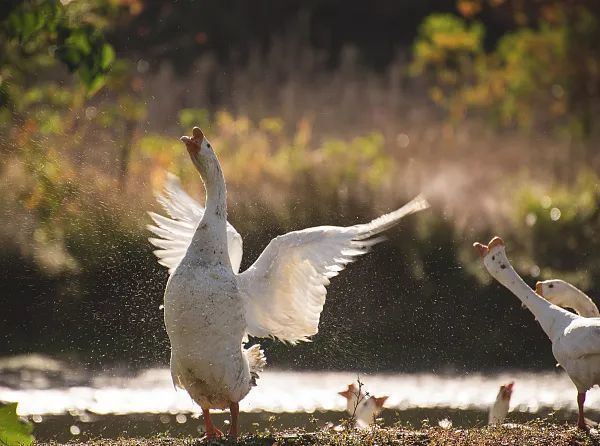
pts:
[535, 433]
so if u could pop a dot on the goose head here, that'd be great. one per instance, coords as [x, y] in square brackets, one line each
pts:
[379, 401]
[553, 288]
[200, 150]
[564, 294]
[505, 391]
[494, 258]
[351, 392]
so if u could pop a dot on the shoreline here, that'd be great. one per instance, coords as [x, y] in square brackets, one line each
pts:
[535, 433]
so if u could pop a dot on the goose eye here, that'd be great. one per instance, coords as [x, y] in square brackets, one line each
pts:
[208, 145]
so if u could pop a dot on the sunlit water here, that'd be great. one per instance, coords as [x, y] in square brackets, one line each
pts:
[48, 387]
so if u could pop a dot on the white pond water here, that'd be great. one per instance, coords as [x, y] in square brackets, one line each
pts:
[151, 391]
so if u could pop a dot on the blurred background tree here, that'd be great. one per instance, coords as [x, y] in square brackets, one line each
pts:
[544, 73]
[488, 106]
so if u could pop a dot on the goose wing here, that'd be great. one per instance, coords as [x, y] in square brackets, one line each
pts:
[284, 290]
[174, 233]
[581, 338]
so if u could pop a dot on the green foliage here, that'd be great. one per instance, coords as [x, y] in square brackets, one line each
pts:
[448, 49]
[559, 230]
[190, 117]
[84, 51]
[38, 33]
[13, 431]
[536, 77]
[446, 42]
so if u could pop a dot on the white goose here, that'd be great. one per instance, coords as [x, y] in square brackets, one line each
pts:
[210, 307]
[363, 408]
[575, 339]
[499, 410]
[565, 295]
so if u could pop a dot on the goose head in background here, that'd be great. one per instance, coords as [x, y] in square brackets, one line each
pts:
[565, 295]
[353, 397]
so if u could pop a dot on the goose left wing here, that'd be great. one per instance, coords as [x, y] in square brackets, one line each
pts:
[284, 290]
[176, 231]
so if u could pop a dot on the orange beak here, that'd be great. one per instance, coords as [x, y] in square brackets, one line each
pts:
[193, 144]
[485, 249]
[481, 249]
[539, 290]
[379, 401]
[346, 394]
[507, 390]
[496, 241]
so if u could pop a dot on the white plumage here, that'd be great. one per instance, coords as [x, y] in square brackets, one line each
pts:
[284, 290]
[575, 339]
[210, 307]
[499, 410]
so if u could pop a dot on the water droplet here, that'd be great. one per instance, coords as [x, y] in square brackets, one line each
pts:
[546, 201]
[37, 418]
[555, 214]
[403, 140]
[142, 66]
[534, 271]
[91, 112]
[181, 418]
[530, 219]
[557, 91]
[74, 430]
[164, 419]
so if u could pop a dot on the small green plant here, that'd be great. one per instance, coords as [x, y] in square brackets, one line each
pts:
[13, 431]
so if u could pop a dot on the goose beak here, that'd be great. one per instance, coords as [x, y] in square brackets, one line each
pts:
[496, 241]
[507, 390]
[539, 290]
[193, 144]
[379, 401]
[197, 134]
[485, 249]
[481, 249]
[346, 394]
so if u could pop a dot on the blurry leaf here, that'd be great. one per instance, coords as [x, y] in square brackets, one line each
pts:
[14, 432]
[190, 117]
[108, 56]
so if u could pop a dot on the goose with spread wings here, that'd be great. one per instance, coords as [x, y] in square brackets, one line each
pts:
[210, 307]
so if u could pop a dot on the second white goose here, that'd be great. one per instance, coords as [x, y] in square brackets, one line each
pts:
[575, 339]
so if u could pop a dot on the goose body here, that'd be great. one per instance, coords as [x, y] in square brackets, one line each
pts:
[575, 339]
[210, 307]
